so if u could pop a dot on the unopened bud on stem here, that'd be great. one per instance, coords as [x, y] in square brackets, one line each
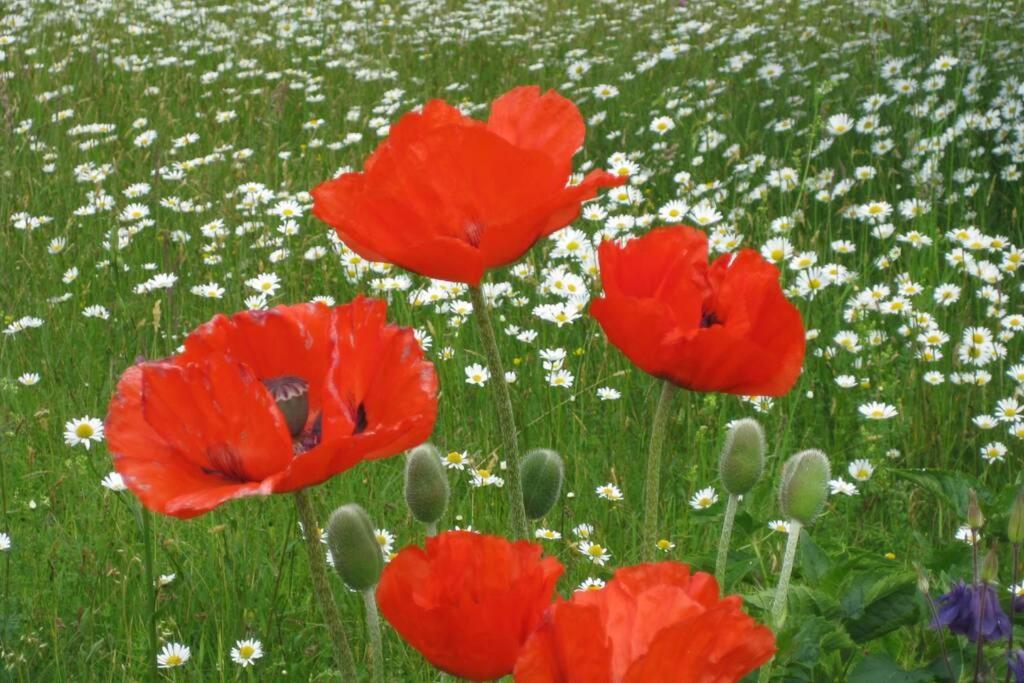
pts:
[742, 459]
[354, 547]
[426, 485]
[1015, 527]
[804, 486]
[975, 519]
[542, 472]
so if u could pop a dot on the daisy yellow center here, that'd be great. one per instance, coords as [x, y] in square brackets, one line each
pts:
[705, 502]
[595, 550]
[173, 660]
[454, 458]
[663, 544]
[483, 474]
[246, 651]
[84, 431]
[863, 474]
[381, 539]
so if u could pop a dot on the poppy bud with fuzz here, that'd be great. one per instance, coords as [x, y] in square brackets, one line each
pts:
[354, 547]
[426, 486]
[742, 460]
[804, 485]
[542, 481]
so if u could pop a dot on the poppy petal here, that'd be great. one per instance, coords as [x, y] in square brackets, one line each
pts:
[218, 416]
[284, 341]
[721, 645]
[381, 396]
[569, 647]
[637, 327]
[549, 123]
[162, 476]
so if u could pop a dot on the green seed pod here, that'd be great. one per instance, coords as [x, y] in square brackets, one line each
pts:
[742, 460]
[426, 485]
[1015, 528]
[990, 566]
[975, 518]
[542, 472]
[804, 486]
[354, 547]
[292, 397]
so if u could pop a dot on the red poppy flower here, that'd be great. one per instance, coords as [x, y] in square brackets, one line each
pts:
[268, 402]
[449, 197]
[725, 327]
[468, 602]
[652, 623]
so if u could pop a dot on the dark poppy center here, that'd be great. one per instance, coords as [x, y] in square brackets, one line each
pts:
[291, 394]
[709, 319]
[292, 397]
[360, 425]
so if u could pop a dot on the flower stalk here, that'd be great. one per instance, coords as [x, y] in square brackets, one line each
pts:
[652, 483]
[782, 590]
[725, 538]
[506, 415]
[322, 589]
[146, 522]
[373, 629]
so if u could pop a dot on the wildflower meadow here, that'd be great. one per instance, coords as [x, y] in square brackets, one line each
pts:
[543, 341]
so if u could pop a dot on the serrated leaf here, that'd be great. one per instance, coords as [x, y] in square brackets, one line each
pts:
[879, 668]
[804, 644]
[949, 487]
[887, 605]
[814, 563]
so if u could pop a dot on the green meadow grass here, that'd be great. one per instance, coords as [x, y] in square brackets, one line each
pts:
[74, 603]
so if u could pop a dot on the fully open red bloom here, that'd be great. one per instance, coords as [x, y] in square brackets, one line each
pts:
[725, 327]
[652, 623]
[468, 602]
[449, 197]
[268, 402]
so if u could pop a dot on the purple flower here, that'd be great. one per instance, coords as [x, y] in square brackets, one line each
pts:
[1016, 664]
[959, 611]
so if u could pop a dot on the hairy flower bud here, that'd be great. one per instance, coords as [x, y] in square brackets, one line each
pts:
[426, 486]
[975, 519]
[742, 460]
[804, 485]
[354, 547]
[1015, 527]
[990, 566]
[542, 472]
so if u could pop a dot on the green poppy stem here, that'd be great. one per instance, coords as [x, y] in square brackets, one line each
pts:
[322, 589]
[652, 483]
[726, 537]
[145, 519]
[506, 416]
[782, 590]
[373, 629]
